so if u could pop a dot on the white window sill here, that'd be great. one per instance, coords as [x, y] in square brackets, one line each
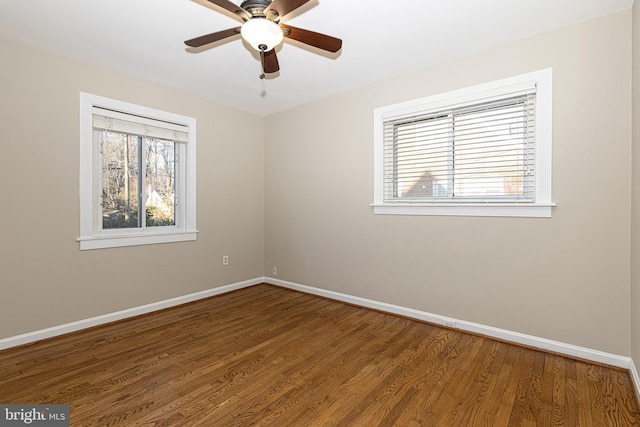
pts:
[532, 210]
[119, 240]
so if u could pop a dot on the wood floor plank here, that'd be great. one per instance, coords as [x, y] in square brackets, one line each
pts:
[268, 356]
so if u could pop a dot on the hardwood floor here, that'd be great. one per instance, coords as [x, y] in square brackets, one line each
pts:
[271, 356]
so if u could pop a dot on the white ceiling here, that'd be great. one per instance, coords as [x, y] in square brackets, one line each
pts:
[381, 39]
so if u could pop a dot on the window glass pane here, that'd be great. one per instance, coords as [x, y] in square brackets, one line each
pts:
[119, 180]
[489, 152]
[160, 182]
[422, 154]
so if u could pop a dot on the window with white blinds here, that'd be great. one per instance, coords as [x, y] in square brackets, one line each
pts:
[484, 152]
[137, 175]
[480, 151]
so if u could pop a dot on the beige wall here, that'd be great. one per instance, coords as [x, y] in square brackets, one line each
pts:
[635, 210]
[565, 278]
[46, 280]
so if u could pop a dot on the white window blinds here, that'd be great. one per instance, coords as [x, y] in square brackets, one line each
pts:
[479, 152]
[105, 119]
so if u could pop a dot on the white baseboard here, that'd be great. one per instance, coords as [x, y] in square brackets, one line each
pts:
[635, 379]
[502, 334]
[119, 315]
[506, 335]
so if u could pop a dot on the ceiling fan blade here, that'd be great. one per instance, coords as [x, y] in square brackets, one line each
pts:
[270, 64]
[283, 7]
[232, 7]
[321, 41]
[213, 37]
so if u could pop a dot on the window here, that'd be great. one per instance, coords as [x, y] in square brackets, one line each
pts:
[482, 151]
[137, 175]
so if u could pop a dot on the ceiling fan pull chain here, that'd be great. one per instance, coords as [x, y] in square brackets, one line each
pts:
[262, 48]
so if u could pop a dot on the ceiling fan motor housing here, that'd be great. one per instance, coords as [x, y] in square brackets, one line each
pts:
[256, 9]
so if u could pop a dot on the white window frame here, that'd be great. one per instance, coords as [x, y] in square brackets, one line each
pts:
[540, 207]
[91, 234]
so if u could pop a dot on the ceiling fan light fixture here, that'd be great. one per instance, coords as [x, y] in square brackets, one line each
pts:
[261, 33]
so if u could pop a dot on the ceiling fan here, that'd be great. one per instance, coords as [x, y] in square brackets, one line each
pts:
[263, 31]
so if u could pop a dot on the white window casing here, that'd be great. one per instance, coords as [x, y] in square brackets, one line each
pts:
[99, 113]
[478, 151]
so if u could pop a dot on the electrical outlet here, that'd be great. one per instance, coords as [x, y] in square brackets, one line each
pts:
[225, 260]
[274, 271]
